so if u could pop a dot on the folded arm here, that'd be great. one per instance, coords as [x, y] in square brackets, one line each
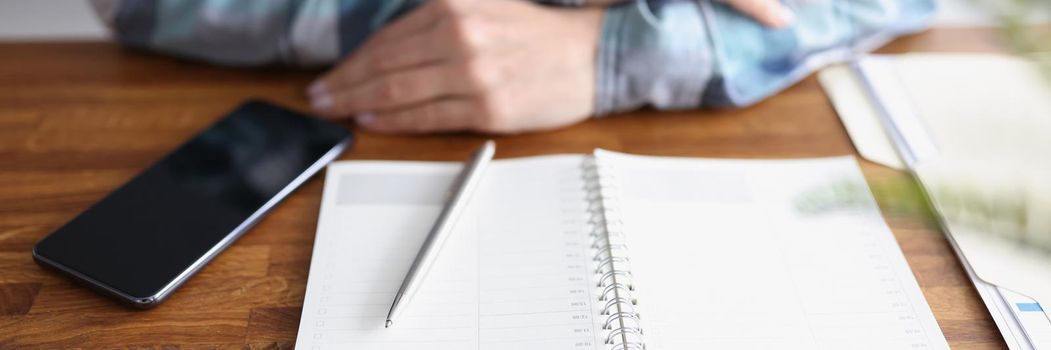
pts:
[667, 54]
[252, 33]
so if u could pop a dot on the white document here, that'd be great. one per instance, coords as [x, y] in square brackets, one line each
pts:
[558, 253]
[987, 110]
[859, 114]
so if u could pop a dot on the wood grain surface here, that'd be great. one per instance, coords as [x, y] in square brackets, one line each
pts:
[79, 119]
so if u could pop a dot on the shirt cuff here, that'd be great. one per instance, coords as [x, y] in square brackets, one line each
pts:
[654, 53]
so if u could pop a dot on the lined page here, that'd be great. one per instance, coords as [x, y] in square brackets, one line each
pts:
[725, 256]
[510, 277]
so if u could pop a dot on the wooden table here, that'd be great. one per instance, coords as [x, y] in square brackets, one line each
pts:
[79, 119]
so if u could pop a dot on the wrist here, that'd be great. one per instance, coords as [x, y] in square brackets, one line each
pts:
[586, 35]
[652, 55]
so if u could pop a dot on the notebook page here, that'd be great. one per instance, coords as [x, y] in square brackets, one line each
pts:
[723, 257]
[510, 276]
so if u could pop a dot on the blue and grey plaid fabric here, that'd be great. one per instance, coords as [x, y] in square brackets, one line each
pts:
[667, 54]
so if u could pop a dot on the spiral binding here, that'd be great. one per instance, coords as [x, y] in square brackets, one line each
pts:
[612, 266]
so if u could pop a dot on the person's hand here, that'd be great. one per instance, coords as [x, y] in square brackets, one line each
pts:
[495, 66]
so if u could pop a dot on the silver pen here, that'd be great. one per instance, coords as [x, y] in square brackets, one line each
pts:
[459, 194]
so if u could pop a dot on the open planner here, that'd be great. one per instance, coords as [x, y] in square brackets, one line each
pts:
[614, 251]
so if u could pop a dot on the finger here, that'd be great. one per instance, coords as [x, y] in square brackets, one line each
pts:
[412, 51]
[770, 13]
[395, 90]
[440, 115]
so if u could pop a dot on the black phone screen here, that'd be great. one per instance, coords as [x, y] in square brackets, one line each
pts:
[178, 213]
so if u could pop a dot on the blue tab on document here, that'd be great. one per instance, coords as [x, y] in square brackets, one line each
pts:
[1029, 307]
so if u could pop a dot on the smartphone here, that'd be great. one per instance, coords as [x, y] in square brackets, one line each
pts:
[145, 239]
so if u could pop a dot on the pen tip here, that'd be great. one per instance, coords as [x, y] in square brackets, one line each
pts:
[389, 322]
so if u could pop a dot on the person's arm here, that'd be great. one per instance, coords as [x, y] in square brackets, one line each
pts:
[507, 66]
[253, 33]
[293, 32]
[689, 54]
[249, 33]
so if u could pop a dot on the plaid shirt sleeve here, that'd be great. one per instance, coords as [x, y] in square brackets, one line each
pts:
[250, 33]
[671, 54]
